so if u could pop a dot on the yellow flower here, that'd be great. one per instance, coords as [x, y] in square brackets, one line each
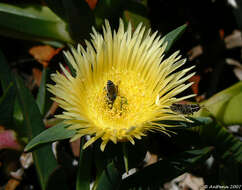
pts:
[122, 87]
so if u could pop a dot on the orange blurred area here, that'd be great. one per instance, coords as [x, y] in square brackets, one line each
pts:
[37, 74]
[92, 3]
[43, 54]
[195, 79]
[12, 184]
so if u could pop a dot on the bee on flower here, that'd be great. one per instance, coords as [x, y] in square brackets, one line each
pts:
[123, 86]
[185, 109]
[111, 90]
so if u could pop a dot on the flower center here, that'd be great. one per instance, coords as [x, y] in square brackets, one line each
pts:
[129, 104]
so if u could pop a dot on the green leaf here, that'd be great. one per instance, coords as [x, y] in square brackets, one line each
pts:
[135, 19]
[202, 120]
[228, 148]
[225, 106]
[229, 173]
[100, 161]
[137, 7]
[43, 97]
[166, 169]
[110, 178]
[10, 110]
[5, 73]
[6, 105]
[135, 12]
[232, 114]
[84, 168]
[18, 119]
[9, 93]
[172, 36]
[32, 22]
[135, 154]
[80, 19]
[110, 10]
[57, 7]
[237, 11]
[125, 156]
[77, 14]
[43, 157]
[58, 180]
[57, 132]
[196, 121]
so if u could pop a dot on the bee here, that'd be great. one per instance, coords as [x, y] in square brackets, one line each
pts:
[112, 91]
[185, 109]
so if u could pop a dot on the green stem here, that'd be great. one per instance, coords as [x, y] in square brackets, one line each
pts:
[125, 155]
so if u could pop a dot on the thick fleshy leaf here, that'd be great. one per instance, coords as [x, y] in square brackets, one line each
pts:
[164, 170]
[58, 132]
[225, 106]
[172, 36]
[228, 147]
[84, 168]
[227, 150]
[110, 178]
[43, 157]
[32, 22]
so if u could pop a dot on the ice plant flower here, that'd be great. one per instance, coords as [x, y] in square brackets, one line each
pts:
[122, 87]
